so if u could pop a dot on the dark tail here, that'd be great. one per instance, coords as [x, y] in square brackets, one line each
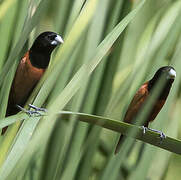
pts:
[119, 144]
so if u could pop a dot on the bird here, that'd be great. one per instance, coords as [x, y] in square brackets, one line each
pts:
[30, 70]
[168, 74]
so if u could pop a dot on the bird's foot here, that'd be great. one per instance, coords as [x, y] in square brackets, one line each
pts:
[162, 135]
[37, 108]
[35, 112]
[144, 129]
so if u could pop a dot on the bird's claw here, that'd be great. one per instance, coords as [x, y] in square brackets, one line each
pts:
[34, 112]
[37, 108]
[144, 129]
[162, 135]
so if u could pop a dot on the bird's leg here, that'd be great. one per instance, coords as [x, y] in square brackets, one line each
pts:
[144, 129]
[35, 110]
[162, 135]
[29, 112]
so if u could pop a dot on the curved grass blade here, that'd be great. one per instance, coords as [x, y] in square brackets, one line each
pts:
[170, 144]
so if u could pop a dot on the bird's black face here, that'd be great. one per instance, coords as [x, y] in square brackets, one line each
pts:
[47, 41]
[166, 72]
[42, 48]
[167, 75]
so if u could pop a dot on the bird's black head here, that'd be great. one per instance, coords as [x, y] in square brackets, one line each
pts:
[165, 73]
[42, 48]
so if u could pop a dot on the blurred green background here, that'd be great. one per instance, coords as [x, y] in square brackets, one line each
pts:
[110, 49]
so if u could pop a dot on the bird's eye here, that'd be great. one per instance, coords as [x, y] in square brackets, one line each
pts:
[52, 37]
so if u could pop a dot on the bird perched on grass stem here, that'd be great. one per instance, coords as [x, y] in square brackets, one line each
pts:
[30, 69]
[168, 74]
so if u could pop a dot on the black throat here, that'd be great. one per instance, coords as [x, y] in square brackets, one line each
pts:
[39, 59]
[165, 90]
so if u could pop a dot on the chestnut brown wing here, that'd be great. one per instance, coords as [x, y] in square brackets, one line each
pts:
[136, 103]
[134, 107]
